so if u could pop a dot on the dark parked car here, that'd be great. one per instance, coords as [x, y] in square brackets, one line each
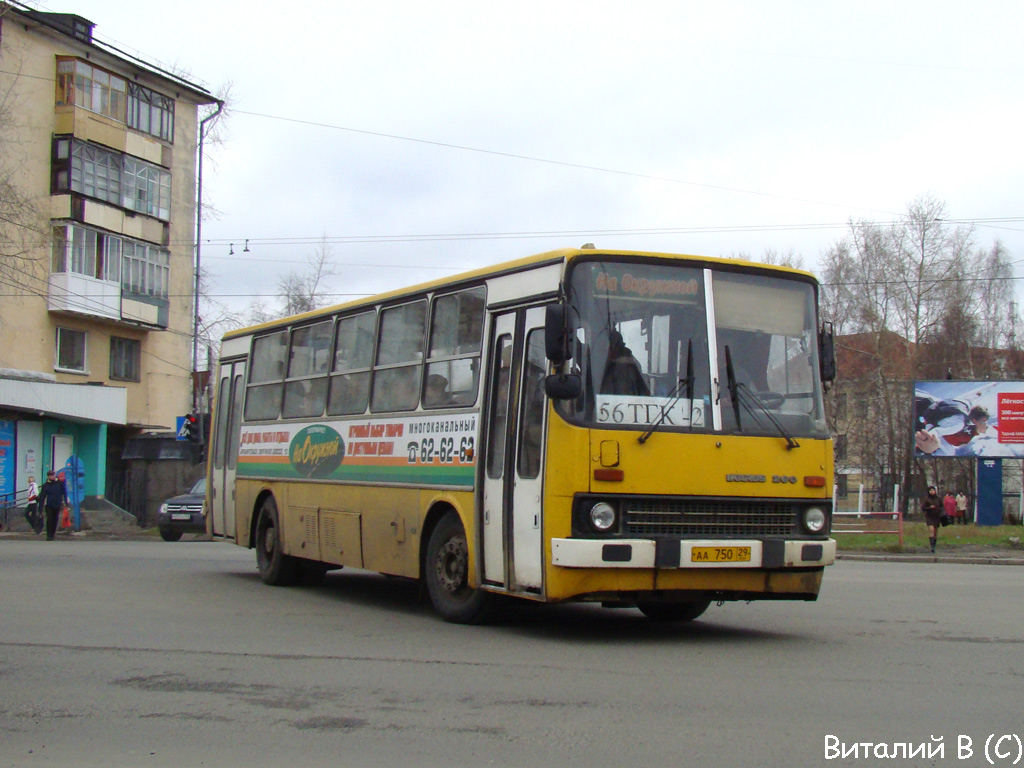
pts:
[183, 514]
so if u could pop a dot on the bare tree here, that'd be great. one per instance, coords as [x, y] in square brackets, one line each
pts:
[304, 291]
[913, 299]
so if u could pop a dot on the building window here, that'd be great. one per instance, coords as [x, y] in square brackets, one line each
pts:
[83, 85]
[145, 269]
[150, 112]
[112, 177]
[863, 408]
[840, 447]
[840, 405]
[71, 350]
[96, 172]
[125, 359]
[842, 486]
[87, 252]
[91, 88]
[147, 188]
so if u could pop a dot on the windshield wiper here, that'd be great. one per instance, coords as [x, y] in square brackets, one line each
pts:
[742, 394]
[730, 379]
[675, 394]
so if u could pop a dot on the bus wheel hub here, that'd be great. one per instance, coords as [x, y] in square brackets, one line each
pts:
[451, 566]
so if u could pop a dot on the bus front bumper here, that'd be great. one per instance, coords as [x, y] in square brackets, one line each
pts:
[692, 553]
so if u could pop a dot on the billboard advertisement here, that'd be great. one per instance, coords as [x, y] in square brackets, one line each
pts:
[968, 419]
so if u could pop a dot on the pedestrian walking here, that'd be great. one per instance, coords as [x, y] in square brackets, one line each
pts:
[949, 508]
[961, 508]
[33, 515]
[52, 497]
[932, 508]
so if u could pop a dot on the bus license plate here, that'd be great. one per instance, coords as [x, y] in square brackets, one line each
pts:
[720, 555]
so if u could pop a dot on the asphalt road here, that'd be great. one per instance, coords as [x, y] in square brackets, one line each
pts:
[140, 653]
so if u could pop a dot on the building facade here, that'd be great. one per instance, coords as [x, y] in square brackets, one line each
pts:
[99, 166]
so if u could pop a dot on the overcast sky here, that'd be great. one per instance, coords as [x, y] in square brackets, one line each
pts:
[473, 132]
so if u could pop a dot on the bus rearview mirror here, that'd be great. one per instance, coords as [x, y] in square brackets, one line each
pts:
[563, 386]
[556, 334]
[827, 352]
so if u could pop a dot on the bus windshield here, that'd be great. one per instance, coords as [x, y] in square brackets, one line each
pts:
[668, 347]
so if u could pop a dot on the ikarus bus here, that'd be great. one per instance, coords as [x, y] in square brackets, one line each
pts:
[637, 429]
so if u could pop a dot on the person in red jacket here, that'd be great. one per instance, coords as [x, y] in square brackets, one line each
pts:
[949, 506]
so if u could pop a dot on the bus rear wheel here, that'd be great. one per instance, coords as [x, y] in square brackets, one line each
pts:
[658, 611]
[276, 568]
[446, 571]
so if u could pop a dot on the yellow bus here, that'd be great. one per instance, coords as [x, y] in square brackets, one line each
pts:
[638, 429]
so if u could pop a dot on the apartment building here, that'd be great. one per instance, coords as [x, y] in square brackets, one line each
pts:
[97, 231]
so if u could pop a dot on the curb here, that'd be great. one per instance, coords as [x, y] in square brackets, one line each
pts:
[936, 558]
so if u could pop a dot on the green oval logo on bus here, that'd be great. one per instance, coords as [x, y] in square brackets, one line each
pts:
[316, 451]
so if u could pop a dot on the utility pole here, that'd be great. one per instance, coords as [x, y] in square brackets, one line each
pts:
[199, 249]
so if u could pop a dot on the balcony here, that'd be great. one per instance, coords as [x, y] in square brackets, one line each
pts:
[84, 295]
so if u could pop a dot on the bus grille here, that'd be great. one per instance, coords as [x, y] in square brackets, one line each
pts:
[708, 517]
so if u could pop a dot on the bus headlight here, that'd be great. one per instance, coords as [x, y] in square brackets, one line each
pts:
[602, 516]
[814, 519]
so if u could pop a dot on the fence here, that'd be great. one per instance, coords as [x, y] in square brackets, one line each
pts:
[859, 520]
[9, 504]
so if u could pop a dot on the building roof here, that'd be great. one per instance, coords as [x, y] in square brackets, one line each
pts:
[81, 30]
[860, 354]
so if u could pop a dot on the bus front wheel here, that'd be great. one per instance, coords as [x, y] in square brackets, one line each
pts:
[658, 611]
[447, 574]
[276, 568]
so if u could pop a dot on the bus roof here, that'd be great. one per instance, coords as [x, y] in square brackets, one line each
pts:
[515, 265]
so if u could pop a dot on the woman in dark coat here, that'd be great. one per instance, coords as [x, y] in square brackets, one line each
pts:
[932, 508]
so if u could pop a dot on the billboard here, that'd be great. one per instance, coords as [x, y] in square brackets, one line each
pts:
[969, 418]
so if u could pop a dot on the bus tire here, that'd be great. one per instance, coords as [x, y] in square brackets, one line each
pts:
[660, 611]
[446, 571]
[312, 573]
[276, 568]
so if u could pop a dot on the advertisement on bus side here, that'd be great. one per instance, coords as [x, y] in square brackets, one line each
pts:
[429, 450]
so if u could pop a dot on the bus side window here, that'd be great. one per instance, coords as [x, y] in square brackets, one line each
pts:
[266, 377]
[456, 331]
[353, 356]
[309, 356]
[499, 407]
[396, 378]
[531, 429]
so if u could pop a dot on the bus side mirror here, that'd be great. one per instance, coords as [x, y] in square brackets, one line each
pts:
[563, 386]
[826, 353]
[556, 334]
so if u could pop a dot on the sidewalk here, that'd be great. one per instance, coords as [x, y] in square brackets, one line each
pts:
[96, 525]
[996, 557]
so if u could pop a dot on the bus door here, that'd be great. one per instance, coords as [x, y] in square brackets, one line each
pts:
[225, 437]
[512, 487]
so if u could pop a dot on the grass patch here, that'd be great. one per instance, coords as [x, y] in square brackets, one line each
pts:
[965, 538]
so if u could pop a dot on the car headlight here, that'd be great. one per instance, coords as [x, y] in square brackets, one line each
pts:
[602, 516]
[163, 509]
[815, 519]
